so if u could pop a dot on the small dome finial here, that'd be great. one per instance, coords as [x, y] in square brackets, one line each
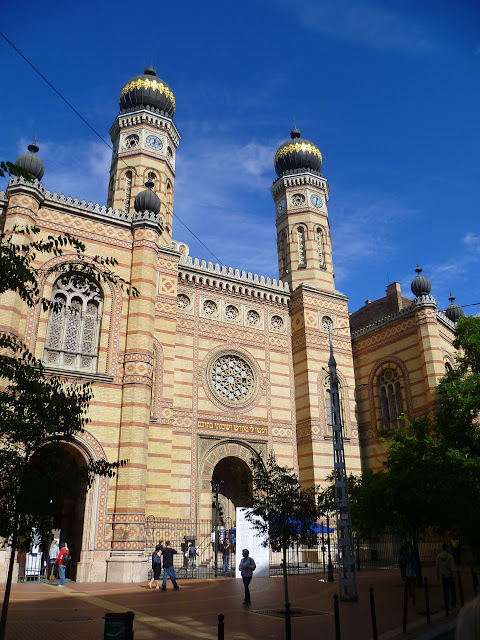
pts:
[421, 286]
[150, 71]
[31, 162]
[453, 311]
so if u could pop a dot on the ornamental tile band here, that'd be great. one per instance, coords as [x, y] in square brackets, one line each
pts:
[148, 84]
[298, 147]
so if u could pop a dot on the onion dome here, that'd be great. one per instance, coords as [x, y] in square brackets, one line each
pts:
[421, 286]
[147, 200]
[453, 312]
[31, 162]
[147, 92]
[297, 154]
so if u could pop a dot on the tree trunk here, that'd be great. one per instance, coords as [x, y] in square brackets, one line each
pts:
[285, 580]
[8, 586]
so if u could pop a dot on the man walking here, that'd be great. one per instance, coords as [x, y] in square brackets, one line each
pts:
[168, 568]
[62, 562]
[446, 572]
[247, 567]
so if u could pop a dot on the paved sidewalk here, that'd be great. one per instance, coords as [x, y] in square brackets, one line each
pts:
[76, 612]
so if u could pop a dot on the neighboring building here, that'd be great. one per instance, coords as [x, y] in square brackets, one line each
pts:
[208, 364]
[401, 349]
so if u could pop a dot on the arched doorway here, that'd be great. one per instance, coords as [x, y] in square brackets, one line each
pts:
[59, 498]
[234, 478]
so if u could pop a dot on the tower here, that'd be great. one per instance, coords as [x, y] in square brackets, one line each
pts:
[145, 140]
[304, 245]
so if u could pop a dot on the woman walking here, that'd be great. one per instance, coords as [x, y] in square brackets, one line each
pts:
[156, 566]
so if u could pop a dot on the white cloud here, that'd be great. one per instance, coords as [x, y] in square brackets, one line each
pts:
[363, 23]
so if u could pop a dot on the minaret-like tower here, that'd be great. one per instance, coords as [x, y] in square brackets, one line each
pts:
[303, 234]
[145, 141]
[305, 261]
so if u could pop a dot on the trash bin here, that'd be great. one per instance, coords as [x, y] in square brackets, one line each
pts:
[119, 626]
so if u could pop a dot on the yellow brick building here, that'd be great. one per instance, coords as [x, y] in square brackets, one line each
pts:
[208, 364]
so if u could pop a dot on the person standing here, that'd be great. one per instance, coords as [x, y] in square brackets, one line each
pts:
[192, 556]
[63, 559]
[247, 566]
[409, 569]
[156, 565]
[445, 566]
[52, 558]
[168, 568]
[226, 551]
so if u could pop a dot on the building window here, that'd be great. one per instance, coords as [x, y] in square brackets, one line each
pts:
[128, 192]
[320, 251]
[448, 367]
[327, 395]
[74, 326]
[283, 254]
[302, 256]
[390, 396]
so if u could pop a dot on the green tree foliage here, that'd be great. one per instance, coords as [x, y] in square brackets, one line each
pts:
[283, 512]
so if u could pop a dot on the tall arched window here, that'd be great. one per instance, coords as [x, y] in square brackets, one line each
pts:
[283, 254]
[74, 326]
[328, 406]
[302, 256]
[128, 192]
[390, 396]
[169, 194]
[320, 250]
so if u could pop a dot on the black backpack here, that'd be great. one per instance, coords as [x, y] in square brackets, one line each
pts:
[65, 559]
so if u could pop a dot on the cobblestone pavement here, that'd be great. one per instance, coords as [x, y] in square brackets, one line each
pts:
[76, 612]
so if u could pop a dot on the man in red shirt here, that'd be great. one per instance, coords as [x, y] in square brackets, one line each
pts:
[62, 561]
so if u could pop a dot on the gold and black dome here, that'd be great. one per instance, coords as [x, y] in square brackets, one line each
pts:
[147, 92]
[296, 155]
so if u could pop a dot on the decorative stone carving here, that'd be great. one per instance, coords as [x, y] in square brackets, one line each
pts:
[183, 302]
[231, 379]
[276, 323]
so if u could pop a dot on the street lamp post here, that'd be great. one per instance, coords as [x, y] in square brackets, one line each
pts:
[215, 490]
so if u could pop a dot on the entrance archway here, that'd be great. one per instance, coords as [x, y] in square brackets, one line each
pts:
[234, 478]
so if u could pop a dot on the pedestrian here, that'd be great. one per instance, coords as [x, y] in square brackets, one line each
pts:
[156, 566]
[247, 567]
[52, 558]
[226, 551]
[192, 556]
[468, 621]
[409, 570]
[168, 568]
[63, 559]
[445, 566]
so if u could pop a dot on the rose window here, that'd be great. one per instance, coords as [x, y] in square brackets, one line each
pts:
[327, 323]
[277, 323]
[132, 141]
[183, 301]
[231, 312]
[209, 307]
[253, 318]
[231, 379]
[298, 199]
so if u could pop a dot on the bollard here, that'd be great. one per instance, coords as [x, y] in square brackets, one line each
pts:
[460, 587]
[288, 627]
[374, 615]
[405, 606]
[445, 596]
[119, 626]
[221, 626]
[337, 617]
[427, 601]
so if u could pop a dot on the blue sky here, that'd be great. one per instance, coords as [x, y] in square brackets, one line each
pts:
[388, 90]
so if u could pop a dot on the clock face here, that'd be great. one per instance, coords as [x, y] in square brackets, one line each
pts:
[281, 206]
[154, 143]
[316, 200]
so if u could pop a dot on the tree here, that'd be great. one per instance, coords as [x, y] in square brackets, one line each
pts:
[283, 512]
[39, 413]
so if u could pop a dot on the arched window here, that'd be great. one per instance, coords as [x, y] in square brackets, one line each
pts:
[302, 256]
[74, 326]
[327, 395]
[169, 194]
[111, 186]
[151, 175]
[320, 250]
[448, 367]
[390, 397]
[283, 254]
[128, 192]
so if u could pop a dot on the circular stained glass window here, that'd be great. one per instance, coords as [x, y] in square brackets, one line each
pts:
[232, 379]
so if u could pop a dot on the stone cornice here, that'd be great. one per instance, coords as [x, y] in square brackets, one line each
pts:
[144, 117]
[298, 180]
[227, 279]
[308, 288]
